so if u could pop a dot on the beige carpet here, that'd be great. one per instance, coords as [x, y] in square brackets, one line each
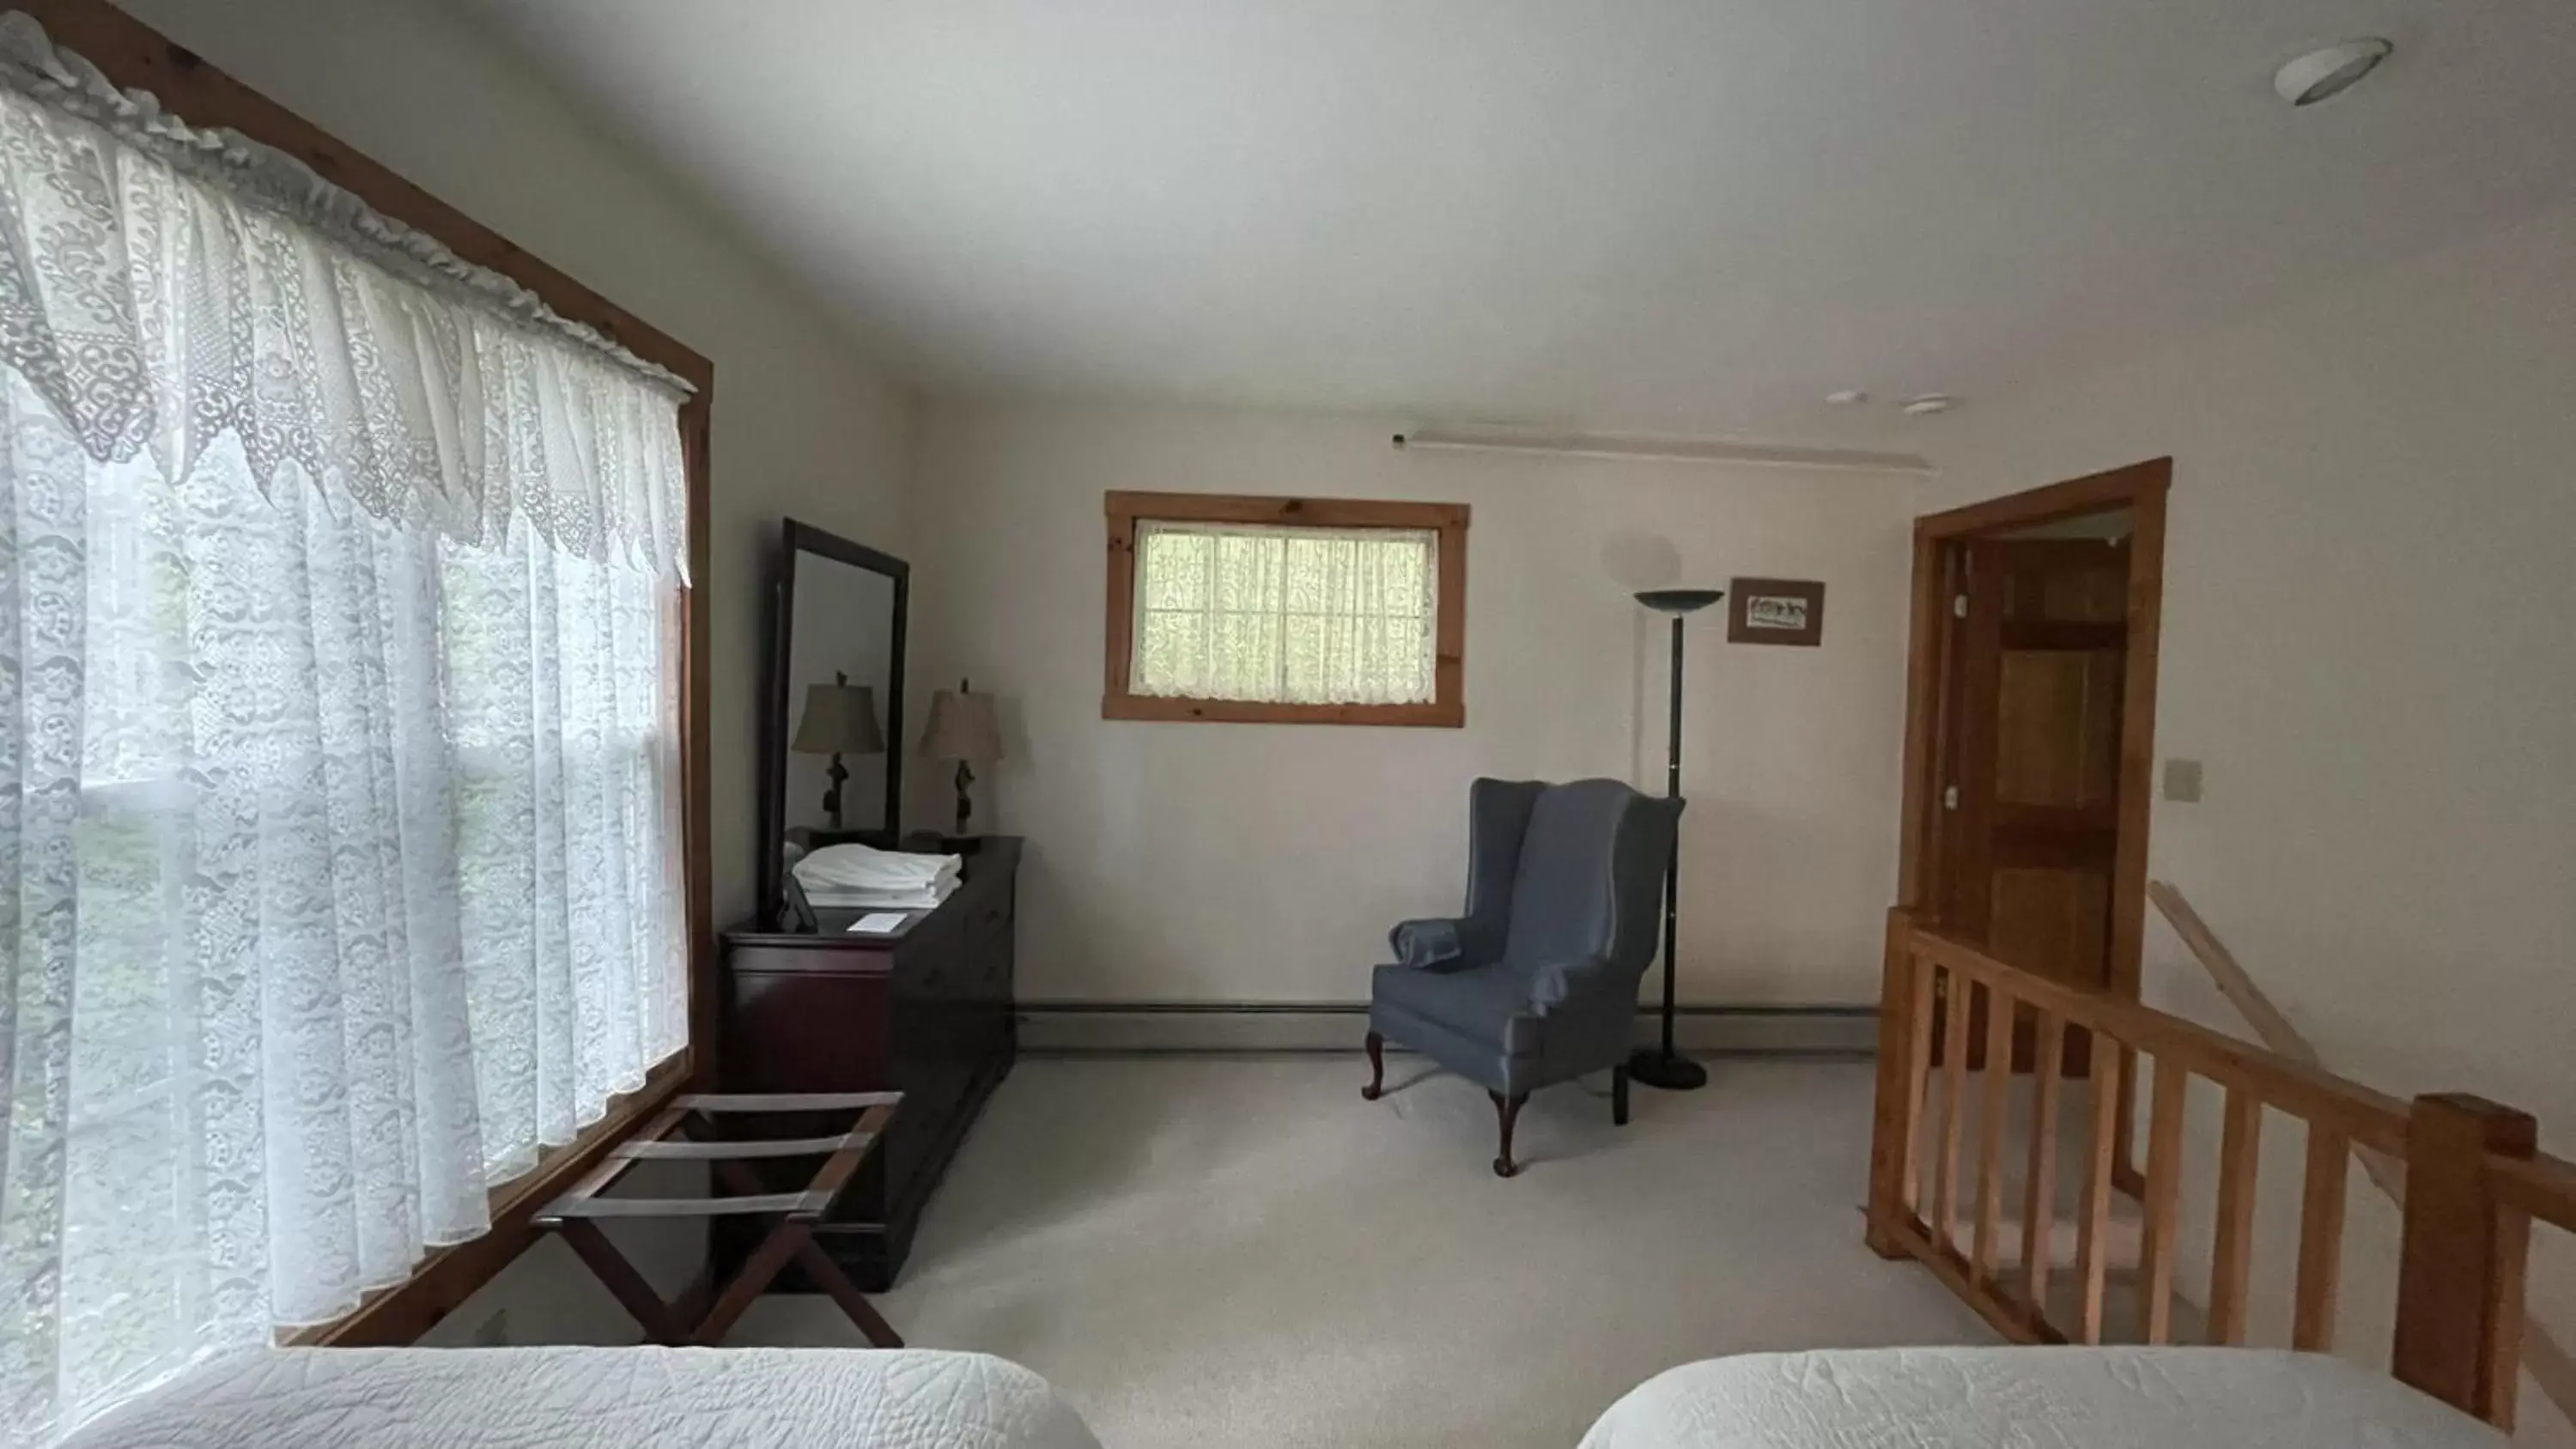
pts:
[1218, 1252]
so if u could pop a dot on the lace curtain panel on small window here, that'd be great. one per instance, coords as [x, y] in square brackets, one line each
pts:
[1285, 615]
[339, 807]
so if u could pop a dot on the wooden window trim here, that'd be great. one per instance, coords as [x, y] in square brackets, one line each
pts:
[1448, 706]
[448, 1276]
[135, 56]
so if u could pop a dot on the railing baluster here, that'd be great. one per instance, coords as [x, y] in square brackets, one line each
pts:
[2321, 1205]
[2038, 1211]
[2232, 1259]
[1897, 1103]
[2467, 1197]
[2164, 1198]
[1954, 1091]
[1921, 1078]
[2000, 1010]
[2093, 1228]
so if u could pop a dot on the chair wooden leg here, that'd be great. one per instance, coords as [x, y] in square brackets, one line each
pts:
[1619, 1096]
[1377, 1068]
[1508, 1109]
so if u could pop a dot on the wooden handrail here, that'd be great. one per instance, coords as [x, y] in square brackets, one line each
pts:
[2299, 1087]
[1928, 975]
[2474, 1176]
[2270, 1026]
[2543, 1187]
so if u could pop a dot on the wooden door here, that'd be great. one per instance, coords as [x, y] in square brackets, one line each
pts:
[2029, 808]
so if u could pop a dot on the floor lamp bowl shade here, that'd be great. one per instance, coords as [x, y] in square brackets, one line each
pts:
[1679, 601]
[839, 719]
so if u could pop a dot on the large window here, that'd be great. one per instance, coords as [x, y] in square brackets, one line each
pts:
[1321, 611]
[341, 805]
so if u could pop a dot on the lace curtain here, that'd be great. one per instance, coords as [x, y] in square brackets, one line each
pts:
[339, 817]
[1285, 615]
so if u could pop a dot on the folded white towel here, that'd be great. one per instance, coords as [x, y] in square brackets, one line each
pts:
[845, 898]
[865, 868]
[821, 888]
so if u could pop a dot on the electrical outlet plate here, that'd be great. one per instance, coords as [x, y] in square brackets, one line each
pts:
[2182, 781]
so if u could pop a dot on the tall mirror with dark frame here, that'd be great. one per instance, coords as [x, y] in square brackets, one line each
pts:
[832, 741]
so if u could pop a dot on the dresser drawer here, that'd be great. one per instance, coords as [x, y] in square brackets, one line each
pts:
[809, 1030]
[926, 1013]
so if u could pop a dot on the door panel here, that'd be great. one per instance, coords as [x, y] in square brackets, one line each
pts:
[2030, 747]
[2066, 581]
[2058, 727]
[2045, 914]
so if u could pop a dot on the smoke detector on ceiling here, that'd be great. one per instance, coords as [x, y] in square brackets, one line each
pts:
[2321, 75]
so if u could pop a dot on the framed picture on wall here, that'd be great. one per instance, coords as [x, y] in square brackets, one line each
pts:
[1775, 611]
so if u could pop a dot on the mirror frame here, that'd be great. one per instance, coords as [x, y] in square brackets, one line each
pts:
[795, 538]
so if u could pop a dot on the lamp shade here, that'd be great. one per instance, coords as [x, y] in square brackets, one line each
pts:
[1679, 601]
[840, 719]
[963, 727]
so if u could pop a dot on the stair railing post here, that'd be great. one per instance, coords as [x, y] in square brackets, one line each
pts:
[1892, 1127]
[2460, 1266]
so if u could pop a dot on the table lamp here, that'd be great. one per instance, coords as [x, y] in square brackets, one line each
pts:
[840, 719]
[963, 728]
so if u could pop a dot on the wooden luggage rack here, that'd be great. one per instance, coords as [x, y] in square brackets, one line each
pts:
[688, 1130]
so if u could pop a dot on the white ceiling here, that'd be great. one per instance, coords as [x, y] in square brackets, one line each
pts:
[1675, 215]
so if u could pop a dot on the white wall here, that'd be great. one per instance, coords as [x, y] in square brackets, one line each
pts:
[2368, 599]
[2368, 594]
[1215, 862]
[803, 423]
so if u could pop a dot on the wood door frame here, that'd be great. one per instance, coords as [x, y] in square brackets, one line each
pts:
[1938, 540]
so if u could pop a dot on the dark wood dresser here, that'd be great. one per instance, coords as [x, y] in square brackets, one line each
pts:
[925, 1011]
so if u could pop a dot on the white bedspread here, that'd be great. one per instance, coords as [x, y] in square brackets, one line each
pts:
[2032, 1398]
[612, 1398]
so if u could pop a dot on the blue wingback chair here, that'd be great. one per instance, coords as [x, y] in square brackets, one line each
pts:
[1537, 982]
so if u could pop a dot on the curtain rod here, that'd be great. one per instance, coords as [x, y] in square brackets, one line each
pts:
[1628, 448]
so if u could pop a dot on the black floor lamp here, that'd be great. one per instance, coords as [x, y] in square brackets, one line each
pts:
[1665, 1067]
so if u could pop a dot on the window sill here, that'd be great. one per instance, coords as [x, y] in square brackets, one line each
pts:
[1445, 714]
[400, 1314]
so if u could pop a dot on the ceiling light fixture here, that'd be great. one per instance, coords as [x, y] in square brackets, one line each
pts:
[1848, 397]
[2321, 75]
[1928, 404]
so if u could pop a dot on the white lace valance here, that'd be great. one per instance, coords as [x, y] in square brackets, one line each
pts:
[162, 287]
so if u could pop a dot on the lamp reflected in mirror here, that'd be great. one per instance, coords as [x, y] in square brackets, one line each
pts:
[834, 689]
[840, 719]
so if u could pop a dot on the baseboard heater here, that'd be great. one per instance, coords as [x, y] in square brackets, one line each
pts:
[1124, 1028]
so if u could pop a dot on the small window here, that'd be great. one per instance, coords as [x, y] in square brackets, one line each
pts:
[1285, 610]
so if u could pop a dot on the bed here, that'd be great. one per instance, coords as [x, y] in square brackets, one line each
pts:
[2033, 1398]
[613, 1398]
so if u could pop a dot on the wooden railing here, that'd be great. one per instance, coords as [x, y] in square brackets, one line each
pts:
[2477, 1182]
[2548, 1363]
